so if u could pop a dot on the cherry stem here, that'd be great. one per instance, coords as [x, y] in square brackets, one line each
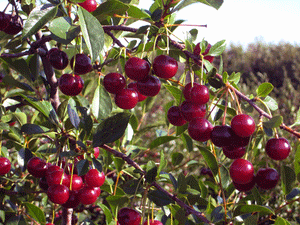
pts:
[225, 110]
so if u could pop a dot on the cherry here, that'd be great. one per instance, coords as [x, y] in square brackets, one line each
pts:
[152, 222]
[96, 152]
[278, 148]
[133, 85]
[150, 86]
[94, 178]
[222, 136]
[175, 116]
[190, 110]
[37, 167]
[126, 98]
[89, 5]
[137, 69]
[187, 90]
[243, 125]
[56, 176]
[197, 51]
[4, 20]
[73, 200]
[199, 94]
[244, 187]
[127, 216]
[266, 178]
[114, 82]
[58, 193]
[5, 165]
[200, 129]
[83, 64]
[70, 84]
[52, 168]
[234, 153]
[165, 66]
[241, 171]
[206, 171]
[88, 195]
[97, 190]
[15, 25]
[77, 182]
[58, 59]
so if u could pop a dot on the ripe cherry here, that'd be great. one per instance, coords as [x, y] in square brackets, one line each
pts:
[150, 86]
[37, 167]
[94, 178]
[137, 69]
[89, 5]
[56, 176]
[114, 82]
[197, 51]
[58, 59]
[152, 222]
[245, 187]
[88, 195]
[175, 116]
[222, 136]
[133, 85]
[126, 98]
[77, 182]
[278, 148]
[15, 25]
[127, 216]
[165, 66]
[83, 64]
[4, 20]
[52, 168]
[200, 129]
[70, 84]
[243, 125]
[73, 200]
[58, 193]
[241, 171]
[199, 94]
[96, 152]
[266, 178]
[234, 153]
[190, 110]
[187, 90]
[5, 165]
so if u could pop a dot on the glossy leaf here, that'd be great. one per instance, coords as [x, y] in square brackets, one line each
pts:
[151, 172]
[35, 212]
[101, 104]
[97, 164]
[73, 115]
[274, 122]
[293, 194]
[109, 8]
[218, 48]
[264, 89]
[288, 177]
[244, 209]
[32, 129]
[19, 65]
[137, 13]
[82, 167]
[281, 221]
[175, 92]
[161, 140]
[271, 103]
[107, 213]
[210, 159]
[225, 176]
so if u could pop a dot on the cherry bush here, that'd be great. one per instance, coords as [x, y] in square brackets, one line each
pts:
[104, 123]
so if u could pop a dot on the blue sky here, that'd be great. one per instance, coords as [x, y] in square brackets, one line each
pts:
[240, 21]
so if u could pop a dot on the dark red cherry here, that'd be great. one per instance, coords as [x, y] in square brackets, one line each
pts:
[243, 125]
[58, 193]
[266, 178]
[77, 182]
[15, 25]
[199, 94]
[83, 64]
[70, 84]
[133, 85]
[206, 171]
[4, 20]
[152, 222]
[187, 90]
[165, 66]
[197, 51]
[56, 177]
[222, 136]
[114, 82]
[127, 216]
[278, 148]
[43, 184]
[126, 98]
[200, 129]
[73, 200]
[137, 69]
[88, 195]
[190, 110]
[94, 178]
[245, 187]
[234, 153]
[52, 168]
[150, 86]
[89, 5]
[175, 117]
[58, 59]
[241, 171]
[5, 165]
[37, 167]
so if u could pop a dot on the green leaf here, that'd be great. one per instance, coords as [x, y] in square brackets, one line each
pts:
[213, 3]
[188, 142]
[119, 163]
[225, 176]
[10, 81]
[274, 122]
[92, 32]
[109, 8]
[156, 15]
[281, 221]
[97, 164]
[225, 77]
[159, 198]
[256, 196]
[182, 184]
[73, 115]
[19, 65]
[4, 126]
[82, 167]
[161, 140]
[111, 129]
[297, 120]
[297, 163]
[20, 117]
[218, 48]
[175, 92]
[35, 212]
[272, 104]
[234, 78]
[245, 209]
[151, 172]
[162, 162]
[177, 158]
[32, 129]
[38, 18]
[210, 159]
[288, 177]
[264, 89]
[137, 13]
[101, 104]
[116, 202]
[107, 213]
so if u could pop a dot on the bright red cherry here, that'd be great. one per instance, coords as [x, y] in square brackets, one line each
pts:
[58, 59]
[5, 165]
[137, 69]
[89, 5]
[165, 66]
[222, 136]
[94, 178]
[150, 86]
[37, 167]
[197, 51]
[56, 176]
[200, 129]
[245, 187]
[133, 85]
[278, 148]
[96, 152]
[83, 64]
[4, 20]
[175, 117]
[234, 153]
[114, 82]
[127, 98]
[73, 200]
[152, 222]
[70, 84]
[15, 25]
[127, 216]
[241, 171]
[77, 182]
[97, 190]
[88, 195]
[243, 125]
[266, 178]
[52, 168]
[58, 193]
[199, 94]
[187, 90]
[190, 110]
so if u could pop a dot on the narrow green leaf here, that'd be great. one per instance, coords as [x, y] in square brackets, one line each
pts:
[210, 159]
[92, 32]
[182, 184]
[175, 92]
[19, 65]
[264, 89]
[35, 212]
[288, 177]
[257, 196]
[297, 163]
[218, 48]
[274, 122]
[225, 176]
[97, 164]
[107, 213]
[225, 77]
[101, 104]
[161, 140]
[245, 209]
[73, 115]
[188, 142]
[162, 162]
[32, 129]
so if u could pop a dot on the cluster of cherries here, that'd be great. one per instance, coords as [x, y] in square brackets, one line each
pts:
[144, 84]
[128, 216]
[65, 187]
[10, 23]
